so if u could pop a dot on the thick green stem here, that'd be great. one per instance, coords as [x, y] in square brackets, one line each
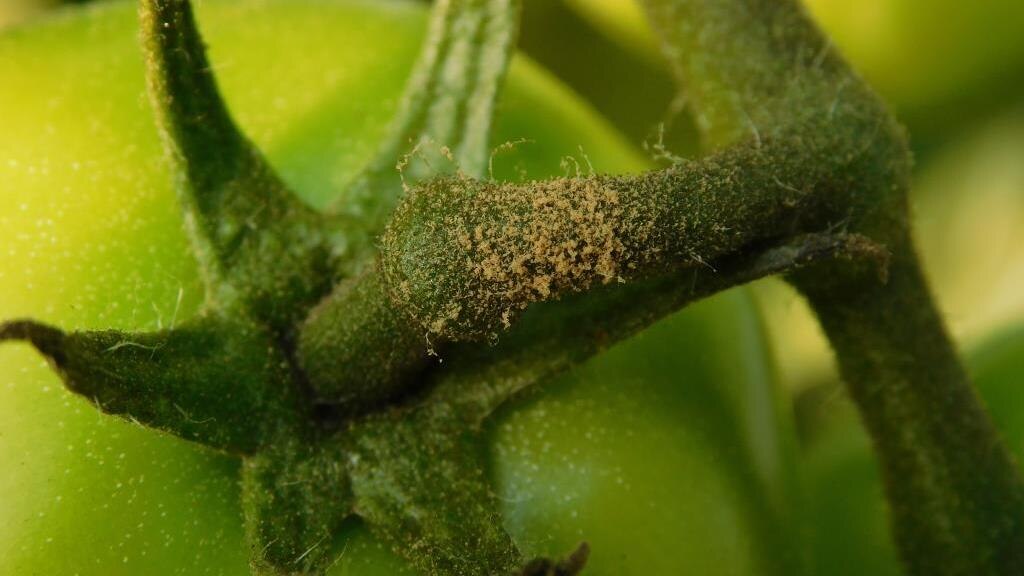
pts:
[464, 257]
[357, 349]
[553, 337]
[755, 66]
[956, 498]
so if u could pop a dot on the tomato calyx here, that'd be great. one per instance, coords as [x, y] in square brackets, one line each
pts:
[307, 362]
[408, 463]
[312, 359]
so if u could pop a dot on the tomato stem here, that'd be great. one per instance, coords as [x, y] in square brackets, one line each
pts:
[752, 67]
[955, 496]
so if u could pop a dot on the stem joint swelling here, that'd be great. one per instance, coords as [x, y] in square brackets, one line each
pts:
[806, 176]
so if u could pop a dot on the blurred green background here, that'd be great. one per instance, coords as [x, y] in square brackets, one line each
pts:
[953, 71]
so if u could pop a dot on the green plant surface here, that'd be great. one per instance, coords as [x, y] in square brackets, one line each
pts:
[94, 241]
[894, 354]
[353, 356]
[968, 210]
[848, 527]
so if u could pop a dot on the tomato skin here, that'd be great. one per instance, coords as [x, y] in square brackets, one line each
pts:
[664, 429]
[91, 238]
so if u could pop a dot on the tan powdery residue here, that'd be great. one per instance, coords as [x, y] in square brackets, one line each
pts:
[555, 237]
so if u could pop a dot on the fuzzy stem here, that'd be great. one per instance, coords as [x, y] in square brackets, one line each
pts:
[464, 257]
[956, 497]
[554, 336]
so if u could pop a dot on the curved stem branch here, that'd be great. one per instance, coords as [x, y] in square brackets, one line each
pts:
[956, 497]
[553, 337]
[464, 257]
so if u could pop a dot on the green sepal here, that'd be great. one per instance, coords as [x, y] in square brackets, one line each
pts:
[415, 473]
[215, 381]
[419, 481]
[295, 496]
[255, 240]
[444, 119]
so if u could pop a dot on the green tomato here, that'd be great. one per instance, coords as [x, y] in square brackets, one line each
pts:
[672, 453]
[847, 517]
